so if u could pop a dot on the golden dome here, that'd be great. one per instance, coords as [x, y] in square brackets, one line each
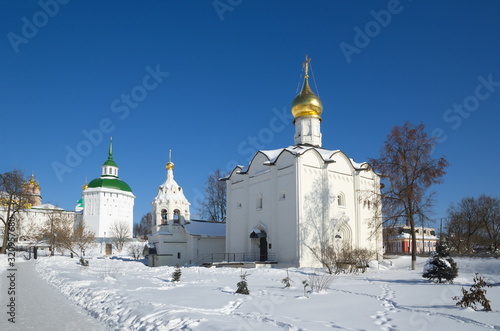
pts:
[84, 187]
[170, 165]
[306, 103]
[31, 183]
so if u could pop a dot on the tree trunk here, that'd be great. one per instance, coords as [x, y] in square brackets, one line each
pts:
[5, 240]
[413, 243]
[6, 230]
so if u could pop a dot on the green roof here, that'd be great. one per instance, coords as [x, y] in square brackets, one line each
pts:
[113, 183]
[110, 162]
[79, 203]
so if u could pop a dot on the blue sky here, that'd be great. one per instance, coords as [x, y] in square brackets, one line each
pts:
[214, 80]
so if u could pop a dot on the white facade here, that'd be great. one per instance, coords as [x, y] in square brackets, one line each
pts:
[107, 201]
[175, 238]
[30, 220]
[104, 207]
[290, 201]
[307, 131]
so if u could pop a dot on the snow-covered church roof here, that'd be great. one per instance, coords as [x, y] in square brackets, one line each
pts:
[206, 229]
[296, 150]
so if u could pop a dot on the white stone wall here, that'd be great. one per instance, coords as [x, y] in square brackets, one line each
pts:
[29, 221]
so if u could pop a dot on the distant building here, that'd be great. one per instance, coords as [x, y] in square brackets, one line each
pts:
[398, 240]
[36, 214]
[175, 238]
[289, 201]
[32, 189]
[107, 200]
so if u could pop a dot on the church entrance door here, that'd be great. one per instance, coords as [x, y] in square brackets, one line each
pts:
[263, 249]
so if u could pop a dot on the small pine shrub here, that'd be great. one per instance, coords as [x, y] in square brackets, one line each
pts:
[305, 283]
[287, 281]
[242, 285]
[477, 295]
[84, 262]
[176, 275]
[441, 266]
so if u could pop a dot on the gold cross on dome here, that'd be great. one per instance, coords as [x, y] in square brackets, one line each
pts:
[306, 65]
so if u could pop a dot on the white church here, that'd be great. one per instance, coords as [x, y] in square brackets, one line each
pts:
[107, 201]
[175, 238]
[287, 201]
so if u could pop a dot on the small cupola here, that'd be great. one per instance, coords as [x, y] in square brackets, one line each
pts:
[110, 168]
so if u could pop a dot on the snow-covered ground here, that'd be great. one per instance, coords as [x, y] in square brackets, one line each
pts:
[120, 294]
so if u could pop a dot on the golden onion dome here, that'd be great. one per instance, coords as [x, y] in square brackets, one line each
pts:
[84, 187]
[170, 165]
[31, 183]
[306, 103]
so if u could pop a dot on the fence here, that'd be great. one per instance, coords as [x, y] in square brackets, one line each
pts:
[232, 257]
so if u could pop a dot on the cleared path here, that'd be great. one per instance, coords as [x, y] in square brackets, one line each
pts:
[39, 306]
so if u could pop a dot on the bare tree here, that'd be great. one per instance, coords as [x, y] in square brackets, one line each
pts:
[13, 199]
[58, 230]
[136, 249]
[27, 225]
[141, 230]
[490, 213]
[120, 232]
[62, 231]
[474, 223]
[408, 171]
[389, 232]
[83, 238]
[464, 225]
[214, 205]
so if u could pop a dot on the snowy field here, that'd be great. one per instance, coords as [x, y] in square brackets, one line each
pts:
[120, 294]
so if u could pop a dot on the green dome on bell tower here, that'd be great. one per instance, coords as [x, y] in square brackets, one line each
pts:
[109, 176]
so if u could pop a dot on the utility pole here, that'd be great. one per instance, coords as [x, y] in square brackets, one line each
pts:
[441, 229]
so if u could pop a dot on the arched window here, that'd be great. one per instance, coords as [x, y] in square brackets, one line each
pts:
[341, 199]
[177, 216]
[259, 201]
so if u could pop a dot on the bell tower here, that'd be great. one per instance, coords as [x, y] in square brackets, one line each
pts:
[170, 206]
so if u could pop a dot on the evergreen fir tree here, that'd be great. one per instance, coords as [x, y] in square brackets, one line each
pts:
[176, 275]
[287, 281]
[441, 266]
[306, 284]
[242, 285]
